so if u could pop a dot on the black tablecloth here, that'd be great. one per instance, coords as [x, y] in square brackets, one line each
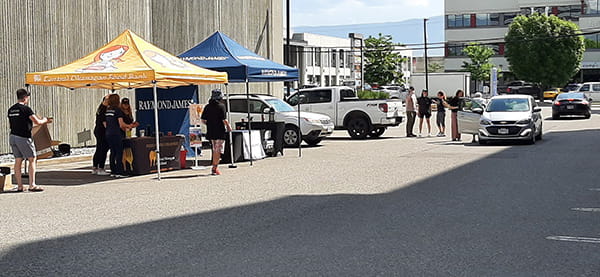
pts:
[139, 154]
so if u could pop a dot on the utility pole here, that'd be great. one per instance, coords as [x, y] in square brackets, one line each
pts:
[425, 62]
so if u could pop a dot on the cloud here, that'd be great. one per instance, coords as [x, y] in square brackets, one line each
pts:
[329, 12]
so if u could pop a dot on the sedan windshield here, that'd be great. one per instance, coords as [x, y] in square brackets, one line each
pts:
[279, 105]
[569, 96]
[508, 105]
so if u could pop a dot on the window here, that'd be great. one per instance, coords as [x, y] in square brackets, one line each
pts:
[238, 105]
[318, 96]
[488, 19]
[347, 93]
[585, 88]
[507, 18]
[257, 106]
[334, 58]
[596, 87]
[317, 56]
[572, 12]
[458, 21]
[592, 41]
[309, 56]
[525, 11]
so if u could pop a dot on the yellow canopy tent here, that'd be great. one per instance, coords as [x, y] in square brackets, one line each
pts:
[128, 61]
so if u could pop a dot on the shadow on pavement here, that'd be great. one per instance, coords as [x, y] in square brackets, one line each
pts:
[486, 218]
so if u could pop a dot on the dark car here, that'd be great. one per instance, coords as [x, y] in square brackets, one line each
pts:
[572, 103]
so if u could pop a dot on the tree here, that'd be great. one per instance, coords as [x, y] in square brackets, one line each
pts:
[544, 49]
[480, 65]
[435, 67]
[382, 64]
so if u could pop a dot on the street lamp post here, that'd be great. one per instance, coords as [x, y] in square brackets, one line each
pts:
[425, 62]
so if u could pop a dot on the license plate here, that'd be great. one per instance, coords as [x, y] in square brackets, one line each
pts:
[570, 107]
[503, 131]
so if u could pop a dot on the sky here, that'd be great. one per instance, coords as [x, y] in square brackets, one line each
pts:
[343, 12]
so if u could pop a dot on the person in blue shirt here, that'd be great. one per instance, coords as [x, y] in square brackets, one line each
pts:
[115, 133]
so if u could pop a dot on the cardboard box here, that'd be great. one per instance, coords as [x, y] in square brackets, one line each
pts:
[43, 141]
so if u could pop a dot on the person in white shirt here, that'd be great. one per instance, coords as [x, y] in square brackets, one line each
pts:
[411, 111]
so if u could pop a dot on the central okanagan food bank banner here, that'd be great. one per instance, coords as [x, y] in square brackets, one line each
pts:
[173, 112]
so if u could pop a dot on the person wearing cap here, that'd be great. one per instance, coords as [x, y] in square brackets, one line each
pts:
[411, 112]
[21, 119]
[214, 117]
[424, 103]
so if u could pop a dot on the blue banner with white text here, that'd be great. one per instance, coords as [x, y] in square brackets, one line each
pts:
[173, 111]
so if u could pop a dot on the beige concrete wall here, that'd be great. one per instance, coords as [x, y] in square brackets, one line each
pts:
[39, 35]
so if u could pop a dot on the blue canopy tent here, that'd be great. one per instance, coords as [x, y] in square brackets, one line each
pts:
[221, 53]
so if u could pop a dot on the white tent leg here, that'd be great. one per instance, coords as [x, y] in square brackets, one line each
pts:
[232, 165]
[156, 131]
[249, 120]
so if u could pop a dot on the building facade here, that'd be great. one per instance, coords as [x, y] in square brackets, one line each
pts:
[488, 20]
[332, 61]
[39, 35]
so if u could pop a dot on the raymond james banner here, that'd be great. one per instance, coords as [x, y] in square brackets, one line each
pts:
[173, 111]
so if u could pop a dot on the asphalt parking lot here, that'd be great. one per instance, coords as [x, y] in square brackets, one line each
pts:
[389, 206]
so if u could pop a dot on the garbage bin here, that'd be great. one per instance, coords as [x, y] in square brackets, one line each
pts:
[182, 157]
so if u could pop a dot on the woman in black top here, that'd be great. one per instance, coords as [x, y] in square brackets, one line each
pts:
[424, 103]
[99, 159]
[441, 113]
[114, 134]
[454, 105]
[127, 115]
[216, 125]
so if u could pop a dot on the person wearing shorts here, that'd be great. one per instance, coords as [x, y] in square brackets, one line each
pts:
[215, 119]
[424, 103]
[21, 119]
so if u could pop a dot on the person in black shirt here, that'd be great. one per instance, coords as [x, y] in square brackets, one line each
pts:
[424, 103]
[99, 159]
[114, 134]
[21, 119]
[216, 121]
[441, 113]
[127, 115]
[454, 106]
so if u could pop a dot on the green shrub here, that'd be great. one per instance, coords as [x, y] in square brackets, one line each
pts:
[369, 94]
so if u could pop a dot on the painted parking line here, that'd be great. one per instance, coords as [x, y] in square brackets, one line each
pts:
[574, 239]
[595, 189]
[586, 209]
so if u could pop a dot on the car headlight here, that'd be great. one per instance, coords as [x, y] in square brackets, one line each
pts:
[313, 121]
[485, 121]
[524, 121]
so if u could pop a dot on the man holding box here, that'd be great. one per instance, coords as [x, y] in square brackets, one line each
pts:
[21, 119]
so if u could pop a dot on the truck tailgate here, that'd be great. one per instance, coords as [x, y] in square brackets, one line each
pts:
[395, 109]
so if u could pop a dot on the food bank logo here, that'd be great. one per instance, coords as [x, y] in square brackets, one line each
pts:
[106, 60]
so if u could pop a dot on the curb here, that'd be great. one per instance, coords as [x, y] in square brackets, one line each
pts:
[58, 160]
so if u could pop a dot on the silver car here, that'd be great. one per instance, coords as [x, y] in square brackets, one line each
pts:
[506, 117]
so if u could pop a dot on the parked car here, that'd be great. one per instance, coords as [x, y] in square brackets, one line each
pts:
[394, 92]
[521, 87]
[551, 93]
[506, 117]
[361, 118]
[591, 90]
[572, 87]
[314, 127]
[572, 103]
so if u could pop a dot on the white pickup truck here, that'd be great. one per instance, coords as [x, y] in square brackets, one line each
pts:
[361, 118]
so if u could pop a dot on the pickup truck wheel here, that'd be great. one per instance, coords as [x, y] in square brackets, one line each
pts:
[313, 142]
[291, 137]
[377, 132]
[358, 128]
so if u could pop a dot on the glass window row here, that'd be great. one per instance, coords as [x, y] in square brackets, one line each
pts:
[571, 12]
